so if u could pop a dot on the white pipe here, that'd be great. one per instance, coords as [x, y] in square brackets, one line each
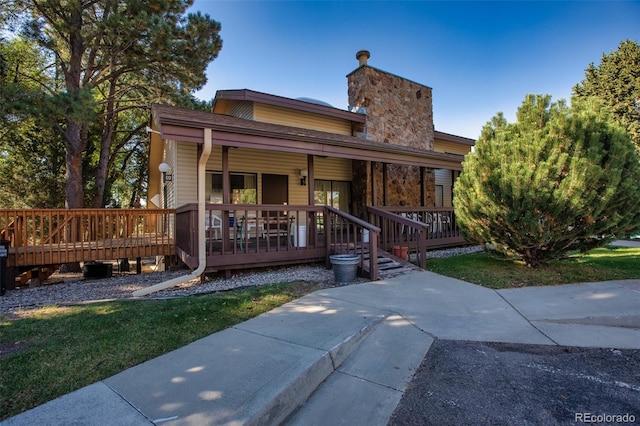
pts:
[202, 255]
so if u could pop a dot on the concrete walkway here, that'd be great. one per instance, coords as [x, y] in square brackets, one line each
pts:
[342, 355]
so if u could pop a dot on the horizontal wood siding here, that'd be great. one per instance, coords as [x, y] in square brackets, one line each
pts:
[272, 162]
[256, 161]
[333, 169]
[450, 147]
[443, 177]
[185, 175]
[289, 117]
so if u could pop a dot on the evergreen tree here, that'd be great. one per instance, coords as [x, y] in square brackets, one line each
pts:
[112, 57]
[557, 180]
[32, 154]
[616, 82]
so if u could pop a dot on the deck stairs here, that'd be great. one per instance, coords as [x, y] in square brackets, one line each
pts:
[389, 265]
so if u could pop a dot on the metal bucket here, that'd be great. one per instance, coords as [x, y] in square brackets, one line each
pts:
[345, 267]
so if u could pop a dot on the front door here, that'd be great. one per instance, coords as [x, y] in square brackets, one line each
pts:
[275, 189]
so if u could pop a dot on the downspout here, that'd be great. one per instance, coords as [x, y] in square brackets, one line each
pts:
[202, 255]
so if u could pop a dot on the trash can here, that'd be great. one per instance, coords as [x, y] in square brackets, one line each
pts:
[345, 267]
[300, 237]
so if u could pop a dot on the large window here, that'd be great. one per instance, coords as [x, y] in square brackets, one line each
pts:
[244, 188]
[336, 194]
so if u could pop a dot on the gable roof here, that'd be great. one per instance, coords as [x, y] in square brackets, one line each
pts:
[297, 104]
[187, 125]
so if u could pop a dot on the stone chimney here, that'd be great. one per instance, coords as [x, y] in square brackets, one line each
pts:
[362, 57]
[399, 112]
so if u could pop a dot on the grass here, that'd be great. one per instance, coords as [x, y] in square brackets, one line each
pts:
[603, 264]
[52, 351]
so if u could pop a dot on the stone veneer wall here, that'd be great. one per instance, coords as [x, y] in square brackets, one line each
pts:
[400, 112]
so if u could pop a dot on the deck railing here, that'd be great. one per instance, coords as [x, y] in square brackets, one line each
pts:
[241, 236]
[418, 228]
[55, 236]
[350, 235]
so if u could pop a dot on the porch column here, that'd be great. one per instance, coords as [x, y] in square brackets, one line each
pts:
[226, 197]
[423, 193]
[311, 216]
[385, 201]
[374, 184]
[310, 180]
[226, 183]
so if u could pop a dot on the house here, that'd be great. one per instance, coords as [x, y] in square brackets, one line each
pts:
[264, 180]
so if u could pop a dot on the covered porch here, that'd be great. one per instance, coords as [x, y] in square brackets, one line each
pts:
[250, 236]
[289, 221]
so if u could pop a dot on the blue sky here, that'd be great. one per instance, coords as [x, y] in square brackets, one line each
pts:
[479, 57]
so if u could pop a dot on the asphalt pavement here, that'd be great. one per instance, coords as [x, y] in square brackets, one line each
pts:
[355, 355]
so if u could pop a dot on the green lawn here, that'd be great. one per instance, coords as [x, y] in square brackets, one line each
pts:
[52, 351]
[603, 264]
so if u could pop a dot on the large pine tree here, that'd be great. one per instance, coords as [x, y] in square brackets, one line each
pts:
[557, 180]
[111, 57]
[616, 82]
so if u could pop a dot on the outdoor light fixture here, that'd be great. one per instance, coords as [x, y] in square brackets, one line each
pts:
[303, 177]
[150, 130]
[165, 169]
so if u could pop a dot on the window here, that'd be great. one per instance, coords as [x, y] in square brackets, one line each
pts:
[244, 188]
[336, 194]
[439, 196]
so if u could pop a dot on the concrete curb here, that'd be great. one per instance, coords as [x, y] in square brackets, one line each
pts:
[300, 388]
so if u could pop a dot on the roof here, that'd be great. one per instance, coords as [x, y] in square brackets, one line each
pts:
[297, 104]
[188, 125]
[453, 138]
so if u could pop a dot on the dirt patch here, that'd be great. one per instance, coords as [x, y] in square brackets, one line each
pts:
[8, 349]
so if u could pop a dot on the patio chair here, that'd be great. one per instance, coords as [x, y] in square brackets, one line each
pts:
[213, 224]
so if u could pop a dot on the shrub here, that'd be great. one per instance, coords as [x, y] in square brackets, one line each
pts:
[557, 180]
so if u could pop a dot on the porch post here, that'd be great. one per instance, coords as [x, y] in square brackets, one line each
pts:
[374, 186]
[385, 201]
[423, 193]
[226, 184]
[310, 180]
[226, 189]
[312, 228]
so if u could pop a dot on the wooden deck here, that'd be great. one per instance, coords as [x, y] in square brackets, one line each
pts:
[58, 236]
[251, 236]
[236, 236]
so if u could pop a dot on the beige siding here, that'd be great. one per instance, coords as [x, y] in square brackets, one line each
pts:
[255, 161]
[332, 169]
[289, 117]
[443, 177]
[170, 159]
[186, 176]
[451, 147]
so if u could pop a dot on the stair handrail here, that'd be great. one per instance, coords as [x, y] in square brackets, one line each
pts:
[373, 243]
[420, 229]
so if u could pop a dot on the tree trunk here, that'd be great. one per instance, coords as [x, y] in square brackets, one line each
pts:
[105, 149]
[73, 176]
